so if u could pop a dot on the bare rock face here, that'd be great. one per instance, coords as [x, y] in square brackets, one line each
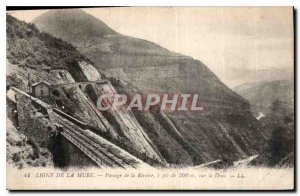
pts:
[66, 91]
[22, 151]
[146, 65]
[89, 71]
[226, 129]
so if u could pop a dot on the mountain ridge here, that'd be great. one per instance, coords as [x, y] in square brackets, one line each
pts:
[98, 28]
[262, 94]
[226, 129]
[117, 54]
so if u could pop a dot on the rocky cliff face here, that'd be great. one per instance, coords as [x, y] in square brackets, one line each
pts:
[225, 130]
[275, 100]
[34, 64]
[146, 65]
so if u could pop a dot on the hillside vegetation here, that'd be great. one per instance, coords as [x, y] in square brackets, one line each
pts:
[29, 48]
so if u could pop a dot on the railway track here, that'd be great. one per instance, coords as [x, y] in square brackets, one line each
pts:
[76, 133]
[99, 154]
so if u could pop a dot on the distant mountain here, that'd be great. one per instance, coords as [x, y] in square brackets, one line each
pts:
[235, 75]
[225, 129]
[76, 27]
[262, 94]
[145, 64]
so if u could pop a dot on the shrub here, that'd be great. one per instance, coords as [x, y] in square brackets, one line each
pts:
[16, 157]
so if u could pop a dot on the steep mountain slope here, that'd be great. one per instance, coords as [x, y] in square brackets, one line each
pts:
[274, 101]
[76, 26]
[279, 149]
[262, 94]
[225, 129]
[40, 55]
[33, 57]
[145, 64]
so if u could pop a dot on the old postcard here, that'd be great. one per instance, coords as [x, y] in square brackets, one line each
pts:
[150, 98]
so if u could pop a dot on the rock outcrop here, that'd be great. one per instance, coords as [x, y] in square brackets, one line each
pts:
[226, 129]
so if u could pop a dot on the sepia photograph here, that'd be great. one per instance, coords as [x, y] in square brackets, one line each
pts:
[150, 98]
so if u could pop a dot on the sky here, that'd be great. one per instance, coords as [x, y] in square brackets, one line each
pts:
[239, 44]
